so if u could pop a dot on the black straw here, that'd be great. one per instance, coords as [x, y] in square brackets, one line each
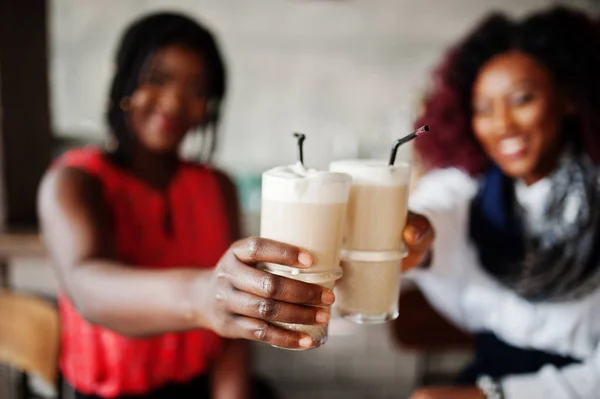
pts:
[419, 132]
[301, 137]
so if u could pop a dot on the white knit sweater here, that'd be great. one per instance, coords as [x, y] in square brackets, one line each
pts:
[459, 287]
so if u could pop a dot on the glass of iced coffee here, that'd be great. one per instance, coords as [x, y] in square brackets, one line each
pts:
[306, 208]
[372, 245]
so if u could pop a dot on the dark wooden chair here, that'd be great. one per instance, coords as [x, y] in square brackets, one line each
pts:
[422, 329]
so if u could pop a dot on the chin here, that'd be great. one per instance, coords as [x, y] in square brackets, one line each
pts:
[163, 145]
[162, 148]
[163, 141]
[516, 169]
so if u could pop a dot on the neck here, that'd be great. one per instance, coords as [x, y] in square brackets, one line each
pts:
[548, 164]
[534, 178]
[155, 169]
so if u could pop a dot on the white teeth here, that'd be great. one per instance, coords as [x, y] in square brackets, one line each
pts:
[512, 145]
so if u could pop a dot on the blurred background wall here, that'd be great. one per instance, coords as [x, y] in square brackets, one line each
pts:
[348, 73]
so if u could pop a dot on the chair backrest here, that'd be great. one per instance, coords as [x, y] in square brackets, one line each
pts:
[29, 335]
[421, 328]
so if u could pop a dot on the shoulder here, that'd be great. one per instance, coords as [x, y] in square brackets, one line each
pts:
[66, 185]
[75, 169]
[223, 180]
[88, 158]
[228, 190]
[449, 179]
[222, 189]
[443, 188]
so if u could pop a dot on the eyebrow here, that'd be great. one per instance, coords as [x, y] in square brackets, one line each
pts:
[156, 68]
[526, 81]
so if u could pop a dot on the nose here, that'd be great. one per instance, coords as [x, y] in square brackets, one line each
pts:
[171, 102]
[502, 120]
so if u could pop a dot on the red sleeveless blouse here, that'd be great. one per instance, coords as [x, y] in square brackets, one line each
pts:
[97, 361]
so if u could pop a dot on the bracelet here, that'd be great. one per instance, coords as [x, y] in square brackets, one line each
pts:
[490, 387]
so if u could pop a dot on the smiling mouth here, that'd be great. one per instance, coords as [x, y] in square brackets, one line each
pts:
[168, 124]
[512, 147]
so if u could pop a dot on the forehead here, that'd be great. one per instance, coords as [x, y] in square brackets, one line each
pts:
[178, 59]
[508, 71]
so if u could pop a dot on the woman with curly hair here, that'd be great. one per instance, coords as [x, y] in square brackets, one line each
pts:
[512, 192]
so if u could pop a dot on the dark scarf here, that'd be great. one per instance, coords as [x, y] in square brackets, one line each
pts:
[562, 261]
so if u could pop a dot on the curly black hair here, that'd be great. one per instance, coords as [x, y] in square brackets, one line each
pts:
[565, 41]
[139, 41]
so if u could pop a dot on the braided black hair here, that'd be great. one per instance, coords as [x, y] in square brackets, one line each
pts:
[139, 41]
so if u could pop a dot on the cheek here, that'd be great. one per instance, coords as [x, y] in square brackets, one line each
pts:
[530, 119]
[541, 124]
[482, 128]
[141, 105]
[142, 100]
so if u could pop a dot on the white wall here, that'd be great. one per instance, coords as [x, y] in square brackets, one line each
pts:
[345, 72]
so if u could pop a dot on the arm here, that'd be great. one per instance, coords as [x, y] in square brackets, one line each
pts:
[443, 198]
[580, 381]
[574, 381]
[231, 375]
[235, 299]
[76, 228]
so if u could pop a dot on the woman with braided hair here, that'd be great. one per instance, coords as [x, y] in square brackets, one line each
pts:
[157, 298]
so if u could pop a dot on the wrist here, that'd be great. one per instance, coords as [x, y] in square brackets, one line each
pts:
[196, 301]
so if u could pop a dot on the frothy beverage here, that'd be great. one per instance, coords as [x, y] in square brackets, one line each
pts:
[369, 297]
[306, 208]
[317, 332]
[372, 244]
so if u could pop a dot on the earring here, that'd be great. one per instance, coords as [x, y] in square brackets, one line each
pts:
[125, 104]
